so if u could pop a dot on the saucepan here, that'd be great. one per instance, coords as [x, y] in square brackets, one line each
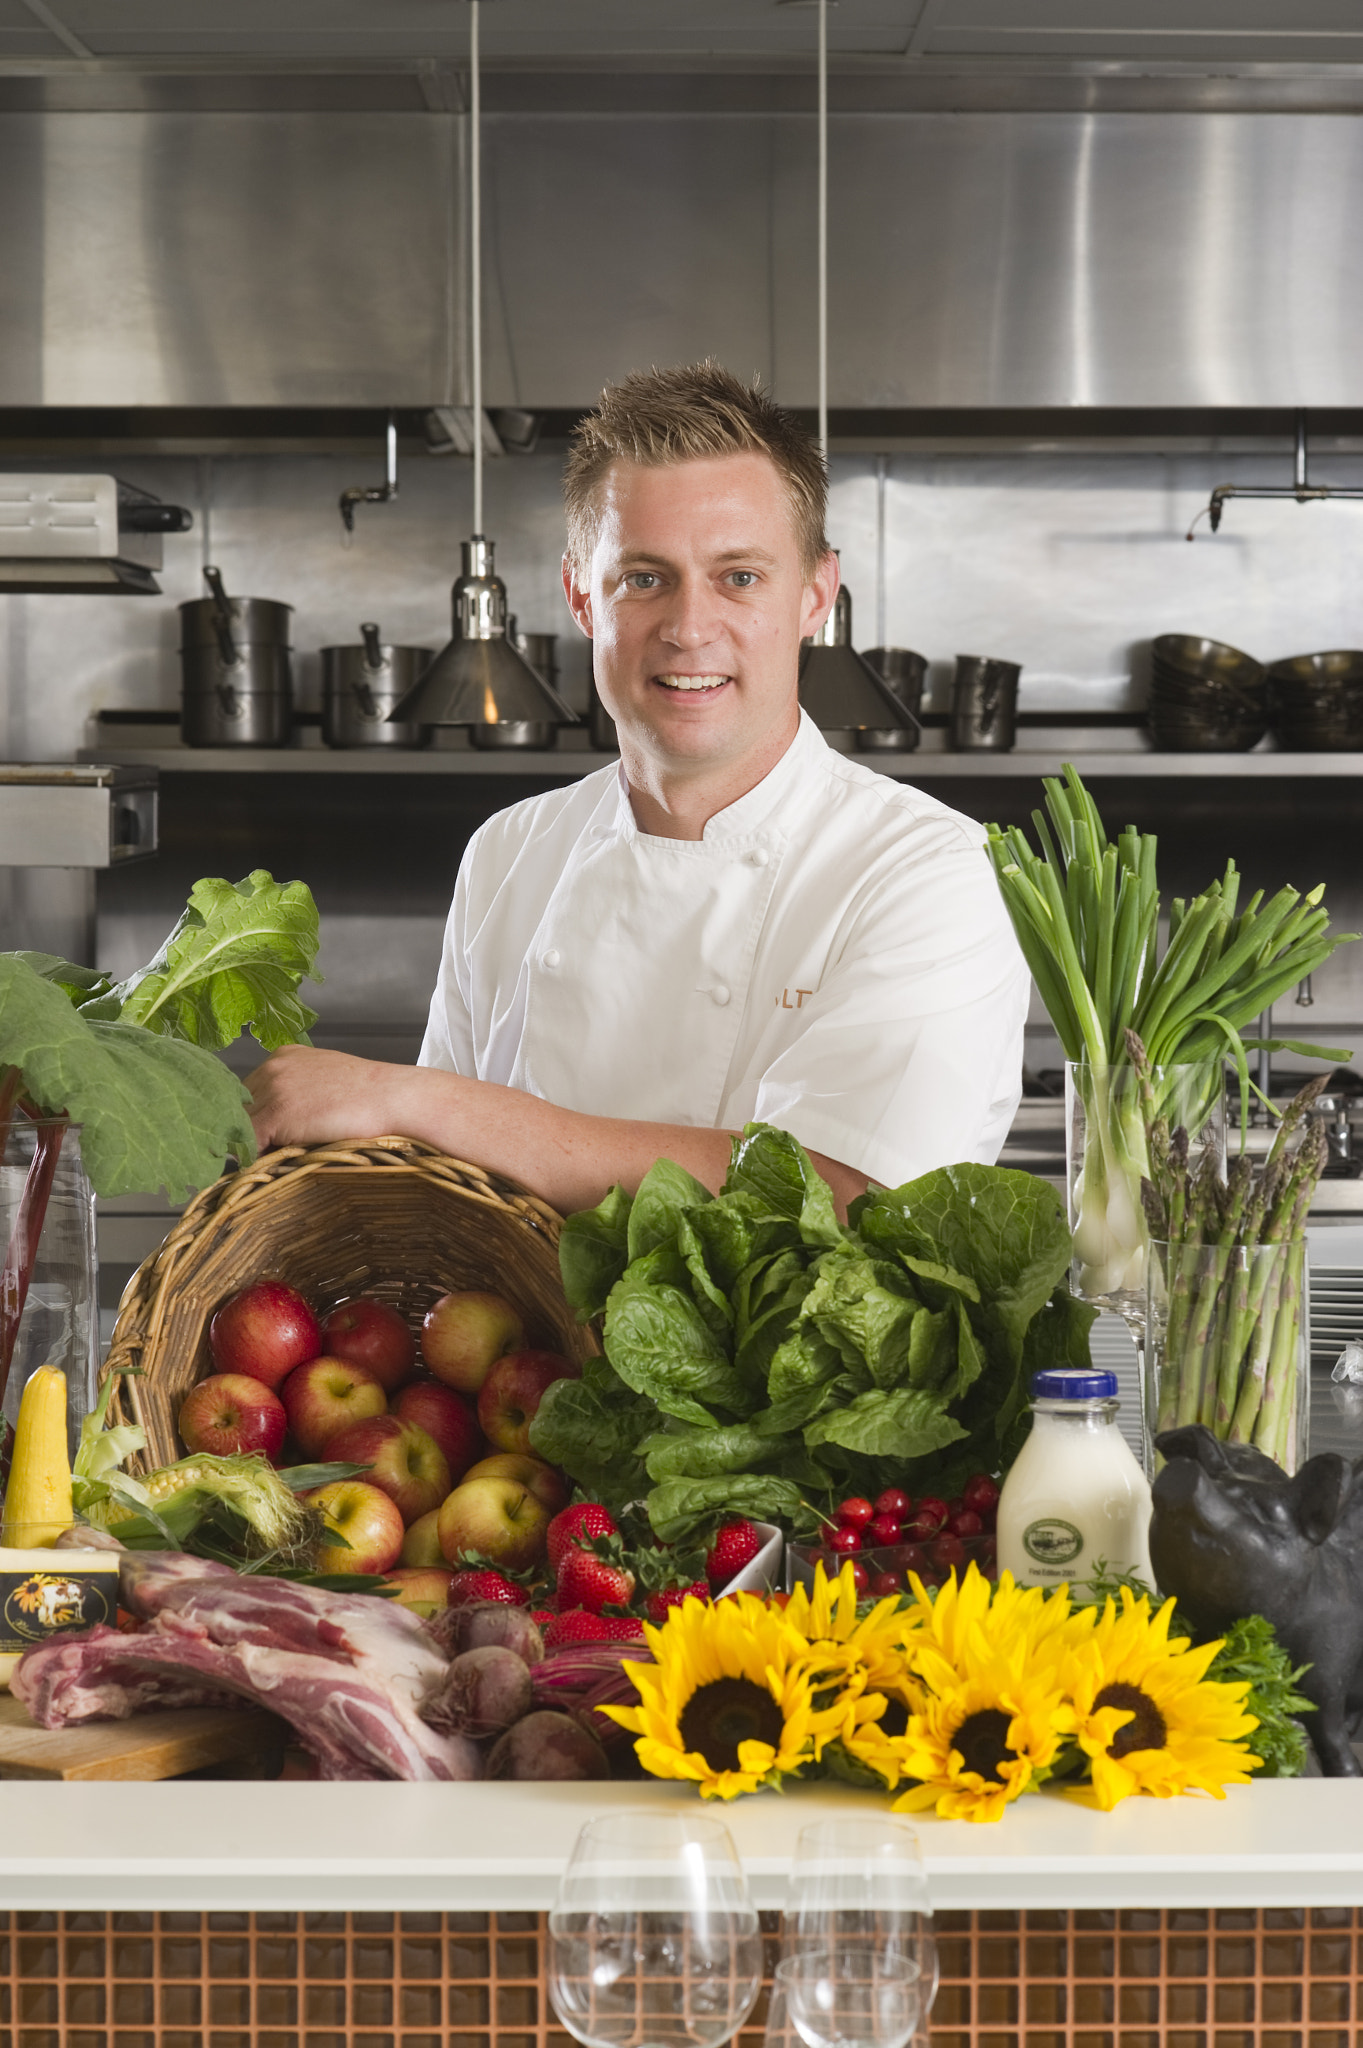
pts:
[362, 685]
[235, 670]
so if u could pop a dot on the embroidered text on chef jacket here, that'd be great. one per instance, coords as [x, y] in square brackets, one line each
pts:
[833, 957]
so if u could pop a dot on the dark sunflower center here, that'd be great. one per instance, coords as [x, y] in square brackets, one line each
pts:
[1146, 1730]
[719, 1716]
[982, 1740]
[895, 1719]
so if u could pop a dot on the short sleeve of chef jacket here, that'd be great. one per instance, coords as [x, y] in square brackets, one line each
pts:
[834, 958]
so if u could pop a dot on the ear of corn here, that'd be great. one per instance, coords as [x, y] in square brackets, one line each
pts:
[183, 1495]
[38, 1498]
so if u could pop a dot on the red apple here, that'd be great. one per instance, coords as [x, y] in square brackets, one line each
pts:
[369, 1333]
[511, 1394]
[320, 1398]
[264, 1331]
[368, 1521]
[421, 1544]
[546, 1482]
[402, 1459]
[464, 1333]
[232, 1412]
[447, 1417]
[423, 1589]
[497, 1517]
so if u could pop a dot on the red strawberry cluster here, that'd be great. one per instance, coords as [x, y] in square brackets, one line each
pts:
[929, 1535]
[601, 1592]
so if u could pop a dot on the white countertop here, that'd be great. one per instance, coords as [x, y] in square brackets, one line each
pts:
[237, 1846]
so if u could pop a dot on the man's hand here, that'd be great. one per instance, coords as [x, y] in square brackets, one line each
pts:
[300, 1096]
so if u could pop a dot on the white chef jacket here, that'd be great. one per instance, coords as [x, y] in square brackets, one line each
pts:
[831, 956]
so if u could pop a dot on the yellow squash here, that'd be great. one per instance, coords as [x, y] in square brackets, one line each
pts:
[38, 1497]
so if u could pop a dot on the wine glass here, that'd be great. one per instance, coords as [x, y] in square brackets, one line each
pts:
[858, 1883]
[654, 1939]
[851, 1997]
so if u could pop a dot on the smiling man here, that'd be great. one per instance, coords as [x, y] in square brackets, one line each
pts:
[736, 923]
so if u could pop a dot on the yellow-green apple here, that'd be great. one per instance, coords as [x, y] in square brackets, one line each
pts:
[321, 1397]
[368, 1332]
[509, 1398]
[409, 1465]
[232, 1412]
[497, 1517]
[368, 1522]
[464, 1333]
[264, 1331]
[546, 1482]
[423, 1589]
[446, 1416]
[421, 1544]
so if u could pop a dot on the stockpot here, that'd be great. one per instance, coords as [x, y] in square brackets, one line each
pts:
[984, 702]
[362, 685]
[236, 677]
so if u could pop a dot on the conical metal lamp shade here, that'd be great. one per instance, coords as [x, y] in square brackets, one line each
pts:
[479, 679]
[840, 691]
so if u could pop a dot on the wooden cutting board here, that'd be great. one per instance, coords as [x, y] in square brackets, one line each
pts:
[146, 1747]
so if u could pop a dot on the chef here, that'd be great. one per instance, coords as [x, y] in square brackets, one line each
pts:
[734, 923]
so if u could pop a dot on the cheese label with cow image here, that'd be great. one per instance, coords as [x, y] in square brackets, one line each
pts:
[46, 1593]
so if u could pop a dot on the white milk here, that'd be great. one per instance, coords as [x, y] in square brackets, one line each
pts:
[1076, 1494]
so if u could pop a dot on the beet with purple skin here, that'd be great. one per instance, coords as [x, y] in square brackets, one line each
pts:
[486, 1625]
[484, 1691]
[547, 1746]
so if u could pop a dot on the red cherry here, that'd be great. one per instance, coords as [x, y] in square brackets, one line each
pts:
[933, 1510]
[883, 1583]
[954, 1505]
[855, 1513]
[882, 1530]
[988, 1552]
[948, 1553]
[914, 1559]
[966, 1523]
[844, 1541]
[893, 1502]
[859, 1578]
[980, 1493]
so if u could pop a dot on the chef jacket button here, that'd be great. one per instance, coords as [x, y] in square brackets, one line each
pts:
[550, 959]
[759, 856]
[719, 995]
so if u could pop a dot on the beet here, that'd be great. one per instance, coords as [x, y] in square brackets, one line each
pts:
[546, 1745]
[487, 1624]
[484, 1691]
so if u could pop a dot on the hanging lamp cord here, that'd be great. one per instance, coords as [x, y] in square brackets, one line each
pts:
[823, 228]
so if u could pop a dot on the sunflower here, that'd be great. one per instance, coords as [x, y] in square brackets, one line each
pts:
[1147, 1715]
[729, 1701]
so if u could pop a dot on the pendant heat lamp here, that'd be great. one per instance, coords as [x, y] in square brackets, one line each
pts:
[840, 691]
[478, 679]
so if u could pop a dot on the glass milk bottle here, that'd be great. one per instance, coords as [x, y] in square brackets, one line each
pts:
[1076, 1494]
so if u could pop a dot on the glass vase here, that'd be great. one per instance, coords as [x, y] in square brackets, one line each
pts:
[1228, 1344]
[49, 1287]
[1107, 1119]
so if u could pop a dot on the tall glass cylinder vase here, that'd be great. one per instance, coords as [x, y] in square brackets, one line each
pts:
[49, 1287]
[1228, 1344]
[1108, 1114]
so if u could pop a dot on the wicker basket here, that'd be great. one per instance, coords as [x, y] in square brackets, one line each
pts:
[390, 1217]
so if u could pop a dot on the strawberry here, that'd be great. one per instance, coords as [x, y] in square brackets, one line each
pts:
[584, 1521]
[660, 1604]
[577, 1626]
[543, 1617]
[468, 1587]
[736, 1544]
[594, 1578]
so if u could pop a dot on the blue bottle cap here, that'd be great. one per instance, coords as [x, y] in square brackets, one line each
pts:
[1074, 1385]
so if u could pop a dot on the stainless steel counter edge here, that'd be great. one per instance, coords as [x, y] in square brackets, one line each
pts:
[269, 1847]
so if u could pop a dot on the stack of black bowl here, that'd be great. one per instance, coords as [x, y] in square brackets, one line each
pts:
[1206, 697]
[1315, 702]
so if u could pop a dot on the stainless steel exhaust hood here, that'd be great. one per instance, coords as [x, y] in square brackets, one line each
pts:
[82, 534]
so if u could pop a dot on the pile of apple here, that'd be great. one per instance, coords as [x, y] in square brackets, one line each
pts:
[449, 1471]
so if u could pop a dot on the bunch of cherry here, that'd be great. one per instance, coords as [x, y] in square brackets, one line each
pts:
[931, 1537]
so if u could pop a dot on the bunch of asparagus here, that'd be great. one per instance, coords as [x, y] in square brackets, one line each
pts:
[1233, 1273]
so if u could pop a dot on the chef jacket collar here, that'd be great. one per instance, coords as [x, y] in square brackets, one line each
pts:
[744, 820]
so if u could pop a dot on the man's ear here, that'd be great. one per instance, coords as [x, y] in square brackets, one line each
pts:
[579, 600]
[819, 594]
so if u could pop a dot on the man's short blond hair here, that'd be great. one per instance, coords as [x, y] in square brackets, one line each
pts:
[656, 417]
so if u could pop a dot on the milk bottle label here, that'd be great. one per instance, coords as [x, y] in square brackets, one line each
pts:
[1052, 1543]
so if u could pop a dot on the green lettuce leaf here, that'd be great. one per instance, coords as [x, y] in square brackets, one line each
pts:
[593, 1252]
[661, 1345]
[234, 960]
[704, 1453]
[153, 1112]
[594, 1434]
[866, 1322]
[679, 1507]
[666, 1192]
[775, 1167]
[907, 1423]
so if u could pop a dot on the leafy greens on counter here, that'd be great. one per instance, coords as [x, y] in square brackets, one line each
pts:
[763, 1359]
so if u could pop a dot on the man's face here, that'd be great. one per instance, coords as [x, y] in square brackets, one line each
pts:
[696, 607]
